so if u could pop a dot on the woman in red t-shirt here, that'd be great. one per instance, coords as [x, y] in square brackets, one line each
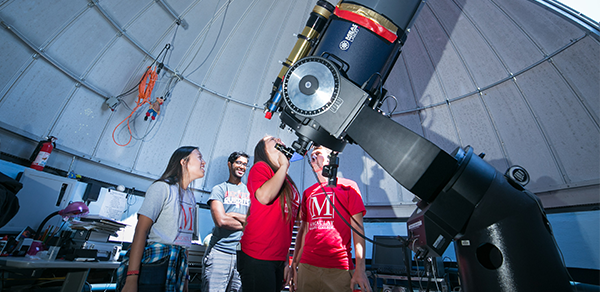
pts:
[274, 203]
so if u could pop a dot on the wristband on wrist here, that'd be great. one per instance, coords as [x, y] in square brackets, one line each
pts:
[131, 273]
[187, 277]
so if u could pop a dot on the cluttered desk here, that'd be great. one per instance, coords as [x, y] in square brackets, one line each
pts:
[76, 254]
[58, 237]
[77, 271]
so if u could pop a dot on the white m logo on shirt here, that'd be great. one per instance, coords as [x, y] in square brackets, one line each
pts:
[322, 209]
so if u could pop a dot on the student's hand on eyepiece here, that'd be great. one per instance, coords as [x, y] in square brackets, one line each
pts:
[283, 160]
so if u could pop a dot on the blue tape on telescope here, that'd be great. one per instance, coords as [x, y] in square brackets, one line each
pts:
[295, 157]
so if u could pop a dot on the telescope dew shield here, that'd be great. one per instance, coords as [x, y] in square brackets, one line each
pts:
[314, 26]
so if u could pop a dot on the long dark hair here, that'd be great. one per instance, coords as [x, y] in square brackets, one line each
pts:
[287, 190]
[174, 172]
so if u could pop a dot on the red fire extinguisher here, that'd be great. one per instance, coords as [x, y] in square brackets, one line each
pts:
[43, 153]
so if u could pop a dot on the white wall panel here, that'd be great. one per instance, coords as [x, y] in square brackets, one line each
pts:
[201, 33]
[150, 26]
[448, 13]
[204, 121]
[203, 127]
[233, 135]
[579, 66]
[180, 6]
[294, 23]
[513, 46]
[242, 37]
[381, 188]
[34, 101]
[14, 56]
[521, 136]
[123, 12]
[545, 28]
[218, 62]
[570, 131]
[118, 64]
[39, 20]
[80, 43]
[448, 65]
[475, 129]
[81, 122]
[482, 62]
[398, 85]
[439, 128]
[167, 137]
[109, 152]
[253, 74]
[422, 73]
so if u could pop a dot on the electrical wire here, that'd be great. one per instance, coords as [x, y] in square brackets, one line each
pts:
[379, 92]
[145, 87]
[405, 243]
[131, 200]
[419, 274]
[170, 85]
[173, 41]
[395, 106]
[145, 90]
[379, 86]
[434, 274]
[132, 89]
[112, 277]
[214, 44]
[148, 131]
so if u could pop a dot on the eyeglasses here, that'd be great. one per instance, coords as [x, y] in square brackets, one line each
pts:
[237, 162]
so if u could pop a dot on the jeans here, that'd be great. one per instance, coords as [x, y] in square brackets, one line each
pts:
[258, 275]
[219, 272]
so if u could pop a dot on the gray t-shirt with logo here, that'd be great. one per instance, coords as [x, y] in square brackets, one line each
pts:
[173, 211]
[235, 198]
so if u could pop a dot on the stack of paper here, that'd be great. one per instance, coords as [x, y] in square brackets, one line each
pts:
[98, 224]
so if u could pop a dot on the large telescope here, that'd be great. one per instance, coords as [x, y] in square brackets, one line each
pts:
[330, 91]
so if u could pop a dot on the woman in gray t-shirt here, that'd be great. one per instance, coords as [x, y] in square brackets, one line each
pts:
[165, 225]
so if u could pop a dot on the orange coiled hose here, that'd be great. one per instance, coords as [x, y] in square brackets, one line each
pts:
[144, 94]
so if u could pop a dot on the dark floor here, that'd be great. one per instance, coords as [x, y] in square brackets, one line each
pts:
[585, 280]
